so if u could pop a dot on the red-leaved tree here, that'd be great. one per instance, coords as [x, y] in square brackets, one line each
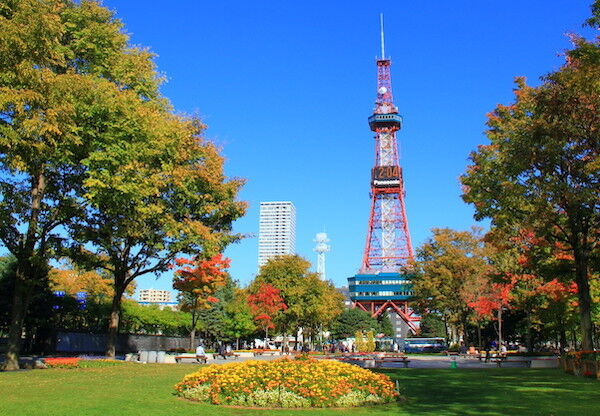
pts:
[264, 305]
[197, 281]
[496, 298]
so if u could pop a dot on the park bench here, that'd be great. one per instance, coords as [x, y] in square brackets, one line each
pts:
[500, 360]
[227, 354]
[394, 356]
[264, 352]
[472, 353]
[380, 362]
[482, 356]
[197, 359]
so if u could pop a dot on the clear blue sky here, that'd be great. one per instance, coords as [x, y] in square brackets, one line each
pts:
[286, 88]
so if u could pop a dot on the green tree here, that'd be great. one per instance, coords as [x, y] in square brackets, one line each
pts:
[312, 303]
[8, 265]
[385, 326]
[51, 77]
[176, 197]
[70, 85]
[152, 320]
[541, 170]
[451, 266]
[351, 321]
[432, 325]
[238, 321]
[213, 321]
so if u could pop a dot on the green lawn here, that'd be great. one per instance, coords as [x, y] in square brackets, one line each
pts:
[135, 389]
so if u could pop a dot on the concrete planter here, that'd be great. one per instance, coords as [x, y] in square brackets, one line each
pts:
[544, 362]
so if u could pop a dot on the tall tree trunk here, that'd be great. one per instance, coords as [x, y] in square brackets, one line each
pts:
[113, 324]
[18, 312]
[529, 334]
[266, 336]
[24, 274]
[479, 334]
[193, 339]
[447, 328]
[585, 299]
[499, 326]
[563, 340]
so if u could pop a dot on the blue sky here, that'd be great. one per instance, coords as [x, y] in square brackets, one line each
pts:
[286, 88]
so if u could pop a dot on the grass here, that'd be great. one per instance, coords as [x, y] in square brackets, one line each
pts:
[135, 389]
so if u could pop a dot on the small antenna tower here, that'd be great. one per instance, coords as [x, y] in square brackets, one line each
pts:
[321, 248]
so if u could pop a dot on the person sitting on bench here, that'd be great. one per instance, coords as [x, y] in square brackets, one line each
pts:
[503, 351]
[223, 351]
[462, 350]
[200, 353]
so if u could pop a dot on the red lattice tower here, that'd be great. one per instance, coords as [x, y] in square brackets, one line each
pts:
[388, 246]
[384, 280]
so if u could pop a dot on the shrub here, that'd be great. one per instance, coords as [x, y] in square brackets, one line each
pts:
[99, 363]
[370, 342]
[287, 383]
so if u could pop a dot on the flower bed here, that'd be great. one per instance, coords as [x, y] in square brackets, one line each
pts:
[287, 383]
[62, 362]
[75, 362]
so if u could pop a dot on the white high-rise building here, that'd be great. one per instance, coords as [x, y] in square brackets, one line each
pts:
[276, 230]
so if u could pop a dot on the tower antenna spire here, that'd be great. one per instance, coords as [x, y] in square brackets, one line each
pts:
[382, 37]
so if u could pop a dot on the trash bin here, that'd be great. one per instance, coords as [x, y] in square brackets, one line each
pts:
[144, 356]
[160, 357]
[151, 356]
[453, 364]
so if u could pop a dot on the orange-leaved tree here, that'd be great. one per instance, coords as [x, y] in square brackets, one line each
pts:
[197, 281]
[265, 303]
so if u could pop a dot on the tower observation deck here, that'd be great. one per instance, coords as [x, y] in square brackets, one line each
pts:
[383, 282]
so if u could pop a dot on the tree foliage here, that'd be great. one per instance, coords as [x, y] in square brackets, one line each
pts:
[352, 320]
[541, 170]
[312, 303]
[88, 145]
[432, 325]
[239, 322]
[197, 281]
[451, 268]
[265, 303]
[73, 279]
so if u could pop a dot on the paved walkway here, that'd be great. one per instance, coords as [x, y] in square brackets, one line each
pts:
[422, 361]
